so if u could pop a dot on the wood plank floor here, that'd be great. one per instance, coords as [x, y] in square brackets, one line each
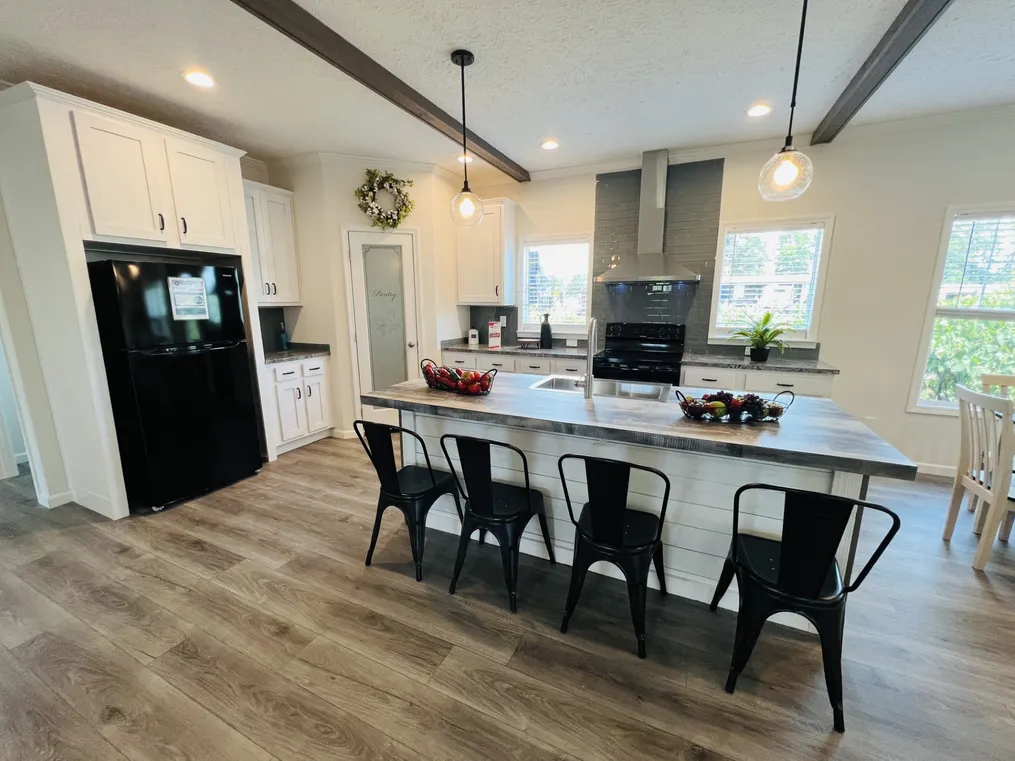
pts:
[243, 625]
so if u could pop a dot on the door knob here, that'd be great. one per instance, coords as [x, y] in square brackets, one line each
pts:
[412, 344]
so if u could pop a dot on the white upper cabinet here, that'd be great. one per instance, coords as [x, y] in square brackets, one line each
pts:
[199, 179]
[486, 257]
[273, 243]
[124, 168]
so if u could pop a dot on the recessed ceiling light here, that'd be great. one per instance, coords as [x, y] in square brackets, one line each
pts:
[759, 109]
[199, 78]
[465, 158]
[549, 144]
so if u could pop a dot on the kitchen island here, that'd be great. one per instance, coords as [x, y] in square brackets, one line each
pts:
[816, 446]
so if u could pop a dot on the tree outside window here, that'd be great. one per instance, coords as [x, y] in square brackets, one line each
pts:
[555, 281]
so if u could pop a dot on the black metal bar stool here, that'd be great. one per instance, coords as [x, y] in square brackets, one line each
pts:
[502, 509]
[798, 574]
[412, 489]
[607, 529]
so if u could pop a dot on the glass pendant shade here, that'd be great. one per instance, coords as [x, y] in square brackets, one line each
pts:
[466, 209]
[785, 176]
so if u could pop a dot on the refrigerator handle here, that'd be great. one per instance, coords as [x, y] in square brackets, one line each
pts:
[177, 353]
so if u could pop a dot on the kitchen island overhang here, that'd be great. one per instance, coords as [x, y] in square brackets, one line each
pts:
[816, 446]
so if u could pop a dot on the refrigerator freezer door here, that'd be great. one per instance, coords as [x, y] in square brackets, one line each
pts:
[197, 422]
[148, 305]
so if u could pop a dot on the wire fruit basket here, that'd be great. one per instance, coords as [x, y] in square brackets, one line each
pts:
[457, 380]
[724, 407]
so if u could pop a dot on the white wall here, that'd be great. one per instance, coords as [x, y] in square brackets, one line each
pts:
[10, 427]
[888, 187]
[560, 206]
[326, 209]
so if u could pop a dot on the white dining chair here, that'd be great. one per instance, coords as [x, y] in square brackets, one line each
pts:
[986, 451]
[1005, 383]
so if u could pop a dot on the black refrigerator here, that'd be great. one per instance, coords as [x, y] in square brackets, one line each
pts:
[175, 352]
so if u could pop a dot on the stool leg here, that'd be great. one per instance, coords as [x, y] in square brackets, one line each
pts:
[545, 528]
[750, 619]
[482, 536]
[657, 558]
[637, 591]
[377, 529]
[725, 579]
[830, 631]
[463, 547]
[415, 521]
[579, 567]
[509, 537]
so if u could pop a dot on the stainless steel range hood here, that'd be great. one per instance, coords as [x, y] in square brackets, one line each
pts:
[650, 266]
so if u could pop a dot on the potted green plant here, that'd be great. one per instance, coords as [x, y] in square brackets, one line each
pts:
[762, 334]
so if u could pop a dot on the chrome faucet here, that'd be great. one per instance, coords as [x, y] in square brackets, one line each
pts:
[587, 382]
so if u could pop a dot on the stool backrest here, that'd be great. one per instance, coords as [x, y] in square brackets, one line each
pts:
[376, 441]
[987, 443]
[608, 483]
[477, 470]
[813, 525]
[1004, 384]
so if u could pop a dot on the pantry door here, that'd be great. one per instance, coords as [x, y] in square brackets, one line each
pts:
[384, 305]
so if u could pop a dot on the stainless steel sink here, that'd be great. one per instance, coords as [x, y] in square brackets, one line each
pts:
[650, 392]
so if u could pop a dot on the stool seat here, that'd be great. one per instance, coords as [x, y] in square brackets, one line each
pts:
[510, 501]
[640, 527]
[761, 556]
[415, 479]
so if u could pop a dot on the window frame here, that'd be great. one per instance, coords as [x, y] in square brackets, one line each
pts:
[928, 406]
[531, 330]
[799, 339]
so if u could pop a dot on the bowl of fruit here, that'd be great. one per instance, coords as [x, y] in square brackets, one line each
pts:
[457, 380]
[724, 407]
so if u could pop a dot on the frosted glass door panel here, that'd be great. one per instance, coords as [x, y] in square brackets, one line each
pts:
[382, 270]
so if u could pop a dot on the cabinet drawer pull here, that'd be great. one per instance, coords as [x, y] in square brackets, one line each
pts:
[496, 290]
[459, 361]
[313, 369]
[289, 372]
[497, 364]
[274, 289]
[711, 380]
[310, 391]
[184, 225]
[784, 385]
[267, 289]
[535, 367]
[570, 370]
[299, 395]
[162, 223]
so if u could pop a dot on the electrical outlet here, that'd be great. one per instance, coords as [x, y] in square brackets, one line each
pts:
[503, 320]
[572, 343]
[747, 350]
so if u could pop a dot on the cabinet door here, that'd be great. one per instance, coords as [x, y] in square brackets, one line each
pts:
[258, 250]
[124, 168]
[317, 403]
[201, 195]
[280, 238]
[806, 384]
[453, 359]
[481, 260]
[292, 409]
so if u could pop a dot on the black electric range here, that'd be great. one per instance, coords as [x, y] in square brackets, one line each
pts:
[641, 351]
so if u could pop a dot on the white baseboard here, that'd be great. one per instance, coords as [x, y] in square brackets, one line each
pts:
[677, 583]
[21, 459]
[55, 500]
[936, 470]
[337, 434]
[303, 441]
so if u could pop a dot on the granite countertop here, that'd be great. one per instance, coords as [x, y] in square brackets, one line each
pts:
[815, 433]
[774, 364]
[296, 352]
[560, 352]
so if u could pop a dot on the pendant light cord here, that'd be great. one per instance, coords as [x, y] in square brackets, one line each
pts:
[465, 154]
[796, 77]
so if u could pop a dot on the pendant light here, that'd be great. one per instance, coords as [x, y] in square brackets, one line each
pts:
[788, 173]
[466, 207]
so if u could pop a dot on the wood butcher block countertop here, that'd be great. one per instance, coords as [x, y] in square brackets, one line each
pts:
[815, 433]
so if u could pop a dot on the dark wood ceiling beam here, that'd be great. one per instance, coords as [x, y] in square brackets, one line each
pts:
[307, 30]
[909, 26]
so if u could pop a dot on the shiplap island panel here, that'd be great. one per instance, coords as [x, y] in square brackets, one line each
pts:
[817, 446]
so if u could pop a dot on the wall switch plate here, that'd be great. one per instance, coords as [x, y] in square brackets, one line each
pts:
[503, 320]
[572, 343]
[747, 350]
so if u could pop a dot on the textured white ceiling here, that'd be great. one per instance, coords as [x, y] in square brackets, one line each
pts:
[609, 78]
[966, 60]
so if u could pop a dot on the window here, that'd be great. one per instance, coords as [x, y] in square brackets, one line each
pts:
[971, 318]
[555, 280]
[777, 268]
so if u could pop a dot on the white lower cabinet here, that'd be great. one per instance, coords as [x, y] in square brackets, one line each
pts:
[302, 400]
[460, 359]
[292, 409]
[758, 381]
[568, 367]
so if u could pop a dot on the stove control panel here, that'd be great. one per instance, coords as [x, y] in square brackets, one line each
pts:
[645, 331]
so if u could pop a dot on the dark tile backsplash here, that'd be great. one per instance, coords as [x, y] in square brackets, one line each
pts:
[690, 236]
[271, 327]
[480, 316]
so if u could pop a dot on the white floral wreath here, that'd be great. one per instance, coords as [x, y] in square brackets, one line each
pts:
[367, 195]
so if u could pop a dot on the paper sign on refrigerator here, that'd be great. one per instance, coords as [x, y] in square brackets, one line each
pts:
[188, 298]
